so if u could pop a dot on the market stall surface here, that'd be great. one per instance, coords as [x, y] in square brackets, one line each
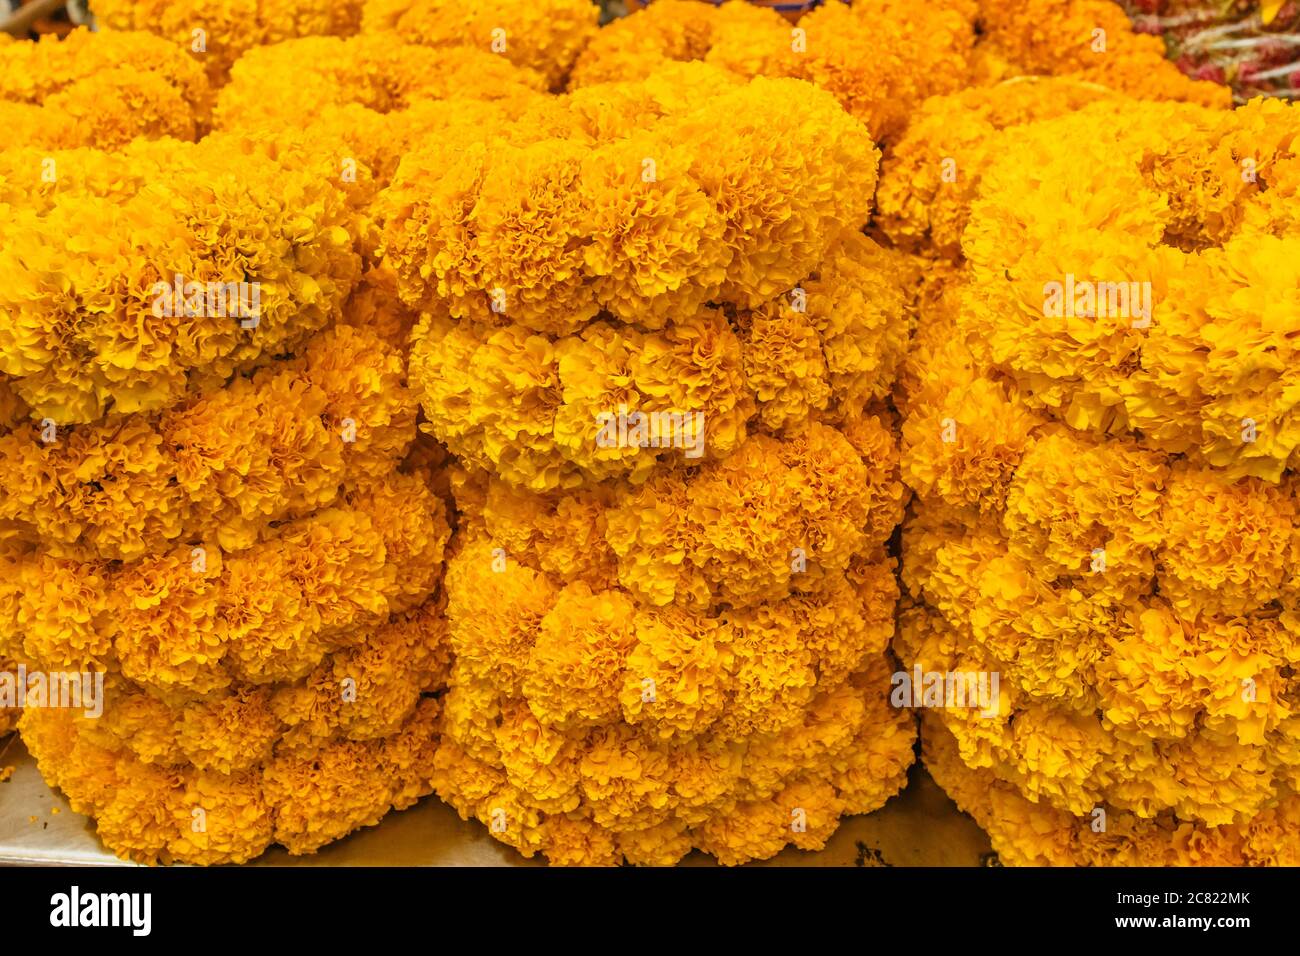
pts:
[920, 827]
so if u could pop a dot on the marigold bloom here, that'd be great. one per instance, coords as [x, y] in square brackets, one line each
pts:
[1095, 521]
[215, 35]
[537, 232]
[306, 793]
[219, 467]
[543, 35]
[104, 78]
[91, 319]
[1089, 39]
[287, 82]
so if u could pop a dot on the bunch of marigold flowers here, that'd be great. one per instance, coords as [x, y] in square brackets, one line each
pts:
[883, 58]
[1067, 463]
[253, 575]
[218, 507]
[545, 35]
[1100, 430]
[615, 325]
[657, 341]
[104, 91]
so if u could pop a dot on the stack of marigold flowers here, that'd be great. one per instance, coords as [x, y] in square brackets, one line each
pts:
[649, 318]
[544, 35]
[1101, 431]
[355, 106]
[219, 32]
[224, 513]
[657, 341]
[104, 91]
[882, 58]
[541, 35]
[1064, 468]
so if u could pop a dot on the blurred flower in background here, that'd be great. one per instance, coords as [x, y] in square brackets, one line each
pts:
[1252, 46]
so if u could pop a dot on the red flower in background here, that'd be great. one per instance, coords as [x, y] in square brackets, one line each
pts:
[1247, 43]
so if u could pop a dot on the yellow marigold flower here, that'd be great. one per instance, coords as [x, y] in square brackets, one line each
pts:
[180, 283]
[689, 657]
[964, 449]
[881, 60]
[677, 30]
[785, 193]
[1055, 518]
[496, 641]
[575, 666]
[537, 758]
[760, 829]
[383, 677]
[284, 82]
[529, 231]
[1093, 40]
[1225, 547]
[743, 530]
[585, 702]
[834, 342]
[663, 845]
[1195, 357]
[565, 533]
[88, 74]
[58, 614]
[360, 780]
[784, 366]
[545, 36]
[504, 231]
[214, 35]
[931, 175]
[228, 733]
[655, 247]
